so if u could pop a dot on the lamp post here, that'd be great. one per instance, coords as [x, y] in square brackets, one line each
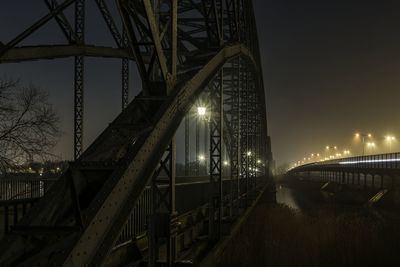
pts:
[371, 145]
[363, 136]
[390, 139]
[328, 148]
[201, 115]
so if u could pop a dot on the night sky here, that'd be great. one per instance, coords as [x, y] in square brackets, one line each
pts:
[331, 68]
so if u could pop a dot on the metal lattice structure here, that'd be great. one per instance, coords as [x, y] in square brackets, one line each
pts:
[184, 50]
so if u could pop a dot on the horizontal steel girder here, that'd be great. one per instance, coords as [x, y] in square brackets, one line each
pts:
[30, 53]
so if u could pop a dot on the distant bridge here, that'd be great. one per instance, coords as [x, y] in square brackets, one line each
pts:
[118, 203]
[375, 171]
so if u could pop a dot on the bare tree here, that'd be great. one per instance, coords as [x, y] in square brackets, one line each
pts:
[29, 125]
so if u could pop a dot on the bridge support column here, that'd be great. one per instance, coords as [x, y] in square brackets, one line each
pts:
[365, 180]
[235, 153]
[244, 148]
[162, 222]
[216, 140]
[393, 182]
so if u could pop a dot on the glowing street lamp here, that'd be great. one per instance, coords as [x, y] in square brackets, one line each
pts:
[248, 153]
[226, 163]
[363, 136]
[201, 111]
[331, 147]
[346, 152]
[202, 158]
[390, 139]
[371, 145]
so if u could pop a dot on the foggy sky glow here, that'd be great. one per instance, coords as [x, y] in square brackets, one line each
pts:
[331, 68]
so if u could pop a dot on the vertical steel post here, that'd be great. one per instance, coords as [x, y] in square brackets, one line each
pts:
[187, 145]
[244, 133]
[206, 147]
[197, 145]
[235, 143]
[216, 140]
[162, 222]
[79, 79]
[125, 74]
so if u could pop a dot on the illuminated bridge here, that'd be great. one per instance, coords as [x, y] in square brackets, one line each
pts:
[120, 201]
[372, 171]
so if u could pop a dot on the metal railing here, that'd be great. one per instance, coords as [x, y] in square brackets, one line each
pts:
[18, 195]
[23, 188]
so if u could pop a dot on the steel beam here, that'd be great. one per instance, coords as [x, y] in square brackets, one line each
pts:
[216, 140]
[178, 48]
[79, 82]
[187, 145]
[162, 222]
[31, 53]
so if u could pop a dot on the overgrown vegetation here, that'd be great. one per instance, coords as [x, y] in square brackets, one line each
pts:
[275, 235]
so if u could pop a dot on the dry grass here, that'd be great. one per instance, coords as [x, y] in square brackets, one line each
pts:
[276, 235]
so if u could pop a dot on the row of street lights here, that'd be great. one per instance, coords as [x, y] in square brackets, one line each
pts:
[389, 138]
[367, 143]
[202, 115]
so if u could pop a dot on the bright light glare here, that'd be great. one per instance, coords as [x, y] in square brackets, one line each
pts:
[370, 135]
[357, 135]
[201, 111]
[372, 144]
[258, 161]
[369, 161]
[225, 163]
[202, 158]
[390, 138]
[248, 153]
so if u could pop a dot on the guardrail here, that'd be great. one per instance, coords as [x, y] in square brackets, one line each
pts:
[191, 202]
[24, 188]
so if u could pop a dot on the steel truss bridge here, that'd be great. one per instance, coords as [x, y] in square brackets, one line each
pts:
[120, 196]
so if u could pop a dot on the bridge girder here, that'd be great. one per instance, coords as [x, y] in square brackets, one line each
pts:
[179, 47]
